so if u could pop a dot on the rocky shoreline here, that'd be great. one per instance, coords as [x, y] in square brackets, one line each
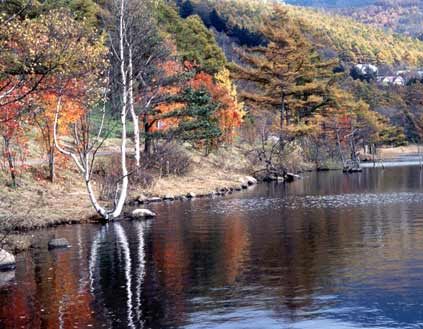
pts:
[244, 184]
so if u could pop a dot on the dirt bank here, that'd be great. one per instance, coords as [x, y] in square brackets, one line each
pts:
[386, 153]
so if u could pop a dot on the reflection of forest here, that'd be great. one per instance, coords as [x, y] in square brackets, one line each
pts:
[286, 258]
[192, 259]
[53, 294]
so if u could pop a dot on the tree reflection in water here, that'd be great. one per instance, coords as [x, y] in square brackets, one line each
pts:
[329, 251]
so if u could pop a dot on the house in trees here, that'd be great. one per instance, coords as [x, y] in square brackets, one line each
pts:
[391, 80]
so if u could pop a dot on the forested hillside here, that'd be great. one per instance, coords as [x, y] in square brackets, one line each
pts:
[352, 41]
[401, 16]
[331, 3]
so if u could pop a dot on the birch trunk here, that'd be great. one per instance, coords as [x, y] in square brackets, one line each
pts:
[124, 188]
[135, 119]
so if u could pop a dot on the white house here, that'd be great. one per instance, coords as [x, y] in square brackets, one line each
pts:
[391, 80]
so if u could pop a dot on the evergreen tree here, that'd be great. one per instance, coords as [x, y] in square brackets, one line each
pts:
[196, 121]
[194, 42]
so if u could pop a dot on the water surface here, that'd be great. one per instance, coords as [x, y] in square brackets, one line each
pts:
[329, 251]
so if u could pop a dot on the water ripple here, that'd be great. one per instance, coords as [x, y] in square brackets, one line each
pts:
[318, 201]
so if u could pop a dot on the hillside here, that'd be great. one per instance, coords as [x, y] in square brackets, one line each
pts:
[401, 16]
[358, 42]
[330, 3]
[343, 37]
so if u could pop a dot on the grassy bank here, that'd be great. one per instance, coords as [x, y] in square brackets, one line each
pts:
[37, 203]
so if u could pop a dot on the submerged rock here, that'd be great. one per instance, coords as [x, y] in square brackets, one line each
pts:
[6, 277]
[58, 243]
[142, 213]
[7, 261]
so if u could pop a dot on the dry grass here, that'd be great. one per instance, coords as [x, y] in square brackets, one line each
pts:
[202, 180]
[38, 203]
[223, 168]
[394, 152]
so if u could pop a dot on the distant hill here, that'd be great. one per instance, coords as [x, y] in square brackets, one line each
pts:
[331, 3]
[345, 38]
[357, 42]
[401, 16]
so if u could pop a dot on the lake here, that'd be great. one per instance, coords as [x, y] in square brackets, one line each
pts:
[328, 251]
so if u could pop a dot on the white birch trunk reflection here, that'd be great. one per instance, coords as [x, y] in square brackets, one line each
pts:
[123, 243]
[140, 229]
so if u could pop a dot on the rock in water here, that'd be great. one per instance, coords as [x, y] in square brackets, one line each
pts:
[169, 197]
[290, 177]
[7, 261]
[191, 195]
[58, 243]
[251, 180]
[142, 213]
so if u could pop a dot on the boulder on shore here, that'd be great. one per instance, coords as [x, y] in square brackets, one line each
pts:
[58, 243]
[191, 195]
[244, 183]
[7, 261]
[142, 213]
[251, 180]
[142, 198]
[154, 199]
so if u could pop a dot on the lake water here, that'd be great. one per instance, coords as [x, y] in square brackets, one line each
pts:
[329, 251]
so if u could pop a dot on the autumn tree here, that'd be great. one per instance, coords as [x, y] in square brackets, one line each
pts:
[170, 107]
[38, 57]
[44, 119]
[229, 112]
[158, 98]
[288, 75]
[12, 130]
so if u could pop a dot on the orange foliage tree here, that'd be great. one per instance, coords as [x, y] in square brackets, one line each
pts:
[12, 131]
[44, 118]
[168, 114]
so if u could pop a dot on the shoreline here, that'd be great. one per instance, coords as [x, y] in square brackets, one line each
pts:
[20, 238]
[38, 204]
